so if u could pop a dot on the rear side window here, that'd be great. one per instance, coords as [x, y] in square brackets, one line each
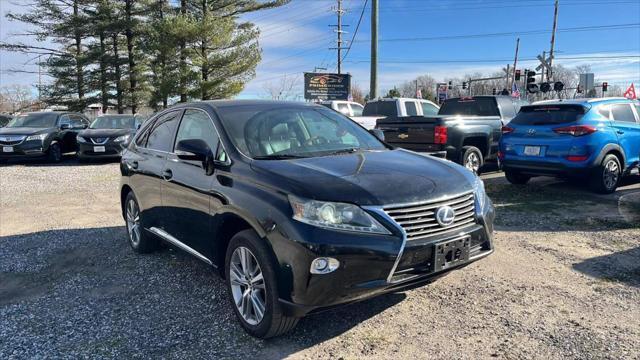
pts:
[475, 106]
[380, 108]
[357, 109]
[604, 111]
[412, 110]
[161, 135]
[548, 114]
[622, 112]
[429, 109]
[343, 108]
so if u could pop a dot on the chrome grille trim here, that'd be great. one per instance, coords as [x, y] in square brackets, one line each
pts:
[418, 219]
[97, 140]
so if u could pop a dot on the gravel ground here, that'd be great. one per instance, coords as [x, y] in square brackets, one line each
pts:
[564, 283]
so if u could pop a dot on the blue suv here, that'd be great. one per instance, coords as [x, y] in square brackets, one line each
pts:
[597, 139]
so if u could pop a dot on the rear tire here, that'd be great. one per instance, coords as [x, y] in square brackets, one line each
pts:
[607, 175]
[140, 241]
[516, 177]
[54, 153]
[254, 281]
[471, 158]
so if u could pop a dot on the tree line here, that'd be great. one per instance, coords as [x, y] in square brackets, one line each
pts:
[125, 54]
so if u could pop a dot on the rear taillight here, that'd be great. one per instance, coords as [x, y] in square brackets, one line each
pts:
[500, 155]
[507, 130]
[440, 134]
[576, 130]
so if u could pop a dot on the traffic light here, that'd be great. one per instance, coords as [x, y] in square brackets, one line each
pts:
[494, 91]
[517, 75]
[531, 82]
[450, 85]
[545, 87]
[558, 86]
[605, 85]
[464, 85]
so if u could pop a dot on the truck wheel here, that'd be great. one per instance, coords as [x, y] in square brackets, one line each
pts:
[471, 158]
[251, 280]
[55, 153]
[140, 241]
[516, 177]
[606, 176]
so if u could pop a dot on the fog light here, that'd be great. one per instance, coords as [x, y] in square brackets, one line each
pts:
[324, 265]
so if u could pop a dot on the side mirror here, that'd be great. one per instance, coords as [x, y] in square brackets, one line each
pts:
[377, 133]
[194, 150]
[65, 126]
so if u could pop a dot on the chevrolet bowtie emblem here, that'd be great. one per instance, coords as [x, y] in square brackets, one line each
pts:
[403, 136]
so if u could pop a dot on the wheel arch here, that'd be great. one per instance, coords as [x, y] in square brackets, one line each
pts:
[614, 149]
[481, 141]
[124, 191]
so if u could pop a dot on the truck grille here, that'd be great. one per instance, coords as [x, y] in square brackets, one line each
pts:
[419, 220]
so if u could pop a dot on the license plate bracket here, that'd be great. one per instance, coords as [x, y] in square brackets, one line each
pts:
[532, 150]
[451, 253]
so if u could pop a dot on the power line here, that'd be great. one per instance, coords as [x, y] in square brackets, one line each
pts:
[441, 61]
[364, 6]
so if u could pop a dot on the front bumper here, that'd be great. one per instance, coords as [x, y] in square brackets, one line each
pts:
[25, 149]
[111, 150]
[370, 265]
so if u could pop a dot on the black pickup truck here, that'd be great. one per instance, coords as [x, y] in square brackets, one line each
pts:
[466, 130]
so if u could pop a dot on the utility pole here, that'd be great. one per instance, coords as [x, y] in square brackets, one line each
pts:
[39, 80]
[553, 41]
[339, 31]
[373, 83]
[416, 88]
[515, 64]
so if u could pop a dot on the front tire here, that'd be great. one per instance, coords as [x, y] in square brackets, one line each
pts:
[471, 158]
[607, 175]
[140, 241]
[516, 177]
[251, 280]
[54, 154]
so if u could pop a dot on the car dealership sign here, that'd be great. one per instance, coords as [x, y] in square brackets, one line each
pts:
[321, 86]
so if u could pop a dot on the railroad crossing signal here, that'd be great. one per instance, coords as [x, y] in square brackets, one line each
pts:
[544, 63]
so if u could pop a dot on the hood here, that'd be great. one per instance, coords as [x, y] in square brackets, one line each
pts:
[369, 178]
[25, 130]
[105, 132]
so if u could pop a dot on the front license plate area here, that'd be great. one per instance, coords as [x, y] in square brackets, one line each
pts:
[451, 253]
[532, 150]
[7, 149]
[99, 149]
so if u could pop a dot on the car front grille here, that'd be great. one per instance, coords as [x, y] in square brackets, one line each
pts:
[11, 139]
[99, 140]
[419, 220]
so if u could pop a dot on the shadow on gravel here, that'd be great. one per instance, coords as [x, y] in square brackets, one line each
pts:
[623, 266]
[67, 160]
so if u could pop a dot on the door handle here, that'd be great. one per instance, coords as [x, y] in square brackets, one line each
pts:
[167, 174]
[620, 132]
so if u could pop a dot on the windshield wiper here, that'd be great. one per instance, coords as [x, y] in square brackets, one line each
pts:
[344, 151]
[278, 157]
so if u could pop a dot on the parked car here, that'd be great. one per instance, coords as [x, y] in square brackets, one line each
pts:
[594, 139]
[41, 134]
[298, 208]
[466, 130]
[4, 119]
[107, 136]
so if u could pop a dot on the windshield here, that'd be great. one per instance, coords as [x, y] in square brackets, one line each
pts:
[274, 132]
[475, 106]
[34, 120]
[114, 122]
[548, 114]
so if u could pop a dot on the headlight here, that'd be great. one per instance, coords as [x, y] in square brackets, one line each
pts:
[480, 195]
[40, 137]
[337, 216]
[80, 139]
[123, 138]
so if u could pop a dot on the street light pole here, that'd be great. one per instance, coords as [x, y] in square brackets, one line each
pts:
[373, 82]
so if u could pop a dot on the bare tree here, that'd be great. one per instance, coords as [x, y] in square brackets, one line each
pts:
[15, 98]
[357, 94]
[283, 89]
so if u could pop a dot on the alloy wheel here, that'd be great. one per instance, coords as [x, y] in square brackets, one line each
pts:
[611, 174]
[247, 285]
[133, 222]
[473, 162]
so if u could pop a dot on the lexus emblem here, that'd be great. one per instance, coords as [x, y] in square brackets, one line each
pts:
[403, 136]
[531, 132]
[445, 215]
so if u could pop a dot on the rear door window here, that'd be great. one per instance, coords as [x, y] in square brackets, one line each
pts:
[429, 109]
[623, 113]
[475, 106]
[548, 114]
[412, 109]
[162, 134]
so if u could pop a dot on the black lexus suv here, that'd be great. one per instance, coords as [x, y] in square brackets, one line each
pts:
[41, 134]
[298, 207]
[107, 136]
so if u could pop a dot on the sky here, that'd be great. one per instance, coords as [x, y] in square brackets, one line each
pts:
[444, 39]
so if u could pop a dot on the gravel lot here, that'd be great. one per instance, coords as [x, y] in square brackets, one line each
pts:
[563, 283]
